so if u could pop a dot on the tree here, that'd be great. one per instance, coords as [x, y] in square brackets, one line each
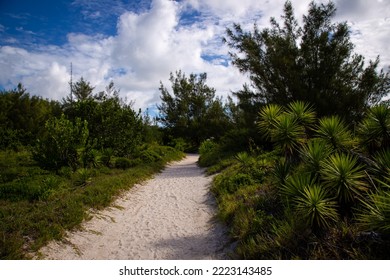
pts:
[60, 143]
[82, 89]
[23, 117]
[314, 63]
[192, 111]
[111, 122]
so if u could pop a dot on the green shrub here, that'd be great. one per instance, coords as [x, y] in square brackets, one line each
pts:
[59, 146]
[82, 177]
[375, 214]
[209, 153]
[344, 176]
[179, 144]
[123, 163]
[30, 189]
[231, 183]
[65, 171]
[106, 157]
[149, 156]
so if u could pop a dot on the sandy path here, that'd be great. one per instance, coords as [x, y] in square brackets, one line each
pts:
[169, 217]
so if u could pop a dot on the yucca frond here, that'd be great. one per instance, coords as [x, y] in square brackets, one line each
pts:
[344, 176]
[381, 167]
[375, 214]
[268, 116]
[245, 160]
[288, 134]
[281, 171]
[315, 207]
[374, 130]
[314, 153]
[296, 183]
[302, 112]
[335, 132]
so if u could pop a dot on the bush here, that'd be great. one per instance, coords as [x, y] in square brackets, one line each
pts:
[149, 156]
[106, 157]
[179, 144]
[59, 145]
[232, 182]
[209, 153]
[82, 177]
[26, 188]
[123, 163]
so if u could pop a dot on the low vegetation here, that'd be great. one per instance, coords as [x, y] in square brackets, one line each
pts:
[38, 205]
[321, 192]
[59, 160]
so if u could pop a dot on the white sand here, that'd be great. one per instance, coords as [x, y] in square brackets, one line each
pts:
[169, 217]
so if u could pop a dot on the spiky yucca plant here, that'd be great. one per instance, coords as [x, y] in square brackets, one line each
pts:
[334, 131]
[268, 118]
[288, 134]
[375, 214]
[82, 177]
[314, 153]
[296, 183]
[381, 166]
[310, 200]
[315, 207]
[302, 112]
[281, 171]
[245, 160]
[374, 130]
[344, 176]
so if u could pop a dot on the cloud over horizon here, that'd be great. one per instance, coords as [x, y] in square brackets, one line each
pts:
[164, 37]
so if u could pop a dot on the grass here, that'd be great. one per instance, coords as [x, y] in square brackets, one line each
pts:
[37, 206]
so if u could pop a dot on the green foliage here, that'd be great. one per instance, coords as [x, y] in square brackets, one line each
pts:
[124, 163]
[374, 130]
[107, 156]
[375, 214]
[111, 122]
[81, 90]
[300, 200]
[314, 63]
[381, 166]
[209, 152]
[192, 111]
[288, 134]
[302, 112]
[179, 144]
[344, 176]
[315, 206]
[82, 177]
[335, 133]
[23, 117]
[59, 145]
[245, 161]
[296, 184]
[282, 171]
[314, 153]
[268, 116]
[287, 129]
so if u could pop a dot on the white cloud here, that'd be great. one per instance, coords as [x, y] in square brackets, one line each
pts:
[370, 25]
[149, 45]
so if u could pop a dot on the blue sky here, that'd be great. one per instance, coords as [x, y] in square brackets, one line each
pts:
[138, 43]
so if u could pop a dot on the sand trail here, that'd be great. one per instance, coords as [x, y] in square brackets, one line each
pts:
[169, 217]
